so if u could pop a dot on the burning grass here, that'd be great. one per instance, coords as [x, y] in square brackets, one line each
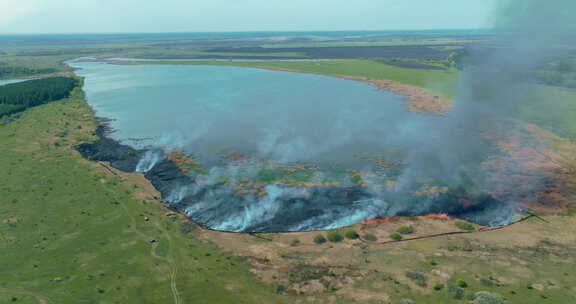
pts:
[186, 164]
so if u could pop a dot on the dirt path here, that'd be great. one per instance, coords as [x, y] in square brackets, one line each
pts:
[40, 298]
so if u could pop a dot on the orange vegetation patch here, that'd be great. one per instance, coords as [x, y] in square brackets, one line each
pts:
[534, 165]
[380, 220]
[389, 219]
[235, 156]
[438, 216]
[184, 163]
[431, 191]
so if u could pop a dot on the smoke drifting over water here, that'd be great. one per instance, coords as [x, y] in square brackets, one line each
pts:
[461, 164]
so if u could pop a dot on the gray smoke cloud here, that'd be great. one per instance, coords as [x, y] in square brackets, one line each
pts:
[496, 81]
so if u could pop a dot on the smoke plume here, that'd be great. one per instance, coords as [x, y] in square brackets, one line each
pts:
[495, 83]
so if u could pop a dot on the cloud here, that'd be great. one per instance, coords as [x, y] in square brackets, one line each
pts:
[12, 9]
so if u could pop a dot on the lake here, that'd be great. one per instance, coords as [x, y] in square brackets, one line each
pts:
[322, 150]
[286, 117]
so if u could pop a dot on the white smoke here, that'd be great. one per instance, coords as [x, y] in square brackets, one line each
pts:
[149, 160]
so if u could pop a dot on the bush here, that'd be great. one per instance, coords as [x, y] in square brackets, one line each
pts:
[351, 234]
[419, 278]
[405, 230]
[280, 289]
[484, 297]
[465, 226]
[462, 284]
[370, 237]
[457, 293]
[438, 286]
[396, 236]
[335, 236]
[486, 282]
[295, 243]
[319, 239]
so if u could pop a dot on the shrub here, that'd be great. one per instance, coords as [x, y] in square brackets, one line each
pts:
[319, 239]
[419, 278]
[280, 289]
[351, 234]
[396, 236]
[334, 236]
[486, 282]
[438, 286]
[457, 293]
[405, 230]
[465, 226]
[370, 237]
[433, 263]
[484, 297]
[462, 284]
[295, 243]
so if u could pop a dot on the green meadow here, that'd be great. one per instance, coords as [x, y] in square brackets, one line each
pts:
[72, 232]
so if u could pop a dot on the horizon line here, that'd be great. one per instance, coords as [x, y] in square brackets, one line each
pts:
[245, 31]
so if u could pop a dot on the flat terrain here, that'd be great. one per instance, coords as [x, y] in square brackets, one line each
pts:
[71, 231]
[77, 231]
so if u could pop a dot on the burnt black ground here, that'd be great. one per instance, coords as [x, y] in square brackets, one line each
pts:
[217, 206]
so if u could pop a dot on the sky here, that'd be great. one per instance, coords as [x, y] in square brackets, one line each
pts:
[127, 16]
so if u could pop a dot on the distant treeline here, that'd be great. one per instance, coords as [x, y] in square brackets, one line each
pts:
[17, 97]
[9, 71]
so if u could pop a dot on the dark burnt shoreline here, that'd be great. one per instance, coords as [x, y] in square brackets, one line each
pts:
[167, 177]
[125, 158]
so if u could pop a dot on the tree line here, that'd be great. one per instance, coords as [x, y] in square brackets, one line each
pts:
[17, 97]
[10, 71]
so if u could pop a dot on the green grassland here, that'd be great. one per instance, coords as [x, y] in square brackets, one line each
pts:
[70, 232]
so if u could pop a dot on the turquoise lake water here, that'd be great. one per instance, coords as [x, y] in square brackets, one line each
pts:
[281, 116]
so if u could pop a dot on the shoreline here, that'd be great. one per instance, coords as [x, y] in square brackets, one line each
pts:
[419, 99]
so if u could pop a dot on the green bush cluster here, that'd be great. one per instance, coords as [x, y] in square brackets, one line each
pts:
[465, 226]
[351, 234]
[396, 236]
[370, 237]
[419, 278]
[319, 239]
[405, 230]
[484, 297]
[334, 236]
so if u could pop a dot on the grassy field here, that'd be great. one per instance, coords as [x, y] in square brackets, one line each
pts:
[555, 109]
[529, 263]
[72, 232]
